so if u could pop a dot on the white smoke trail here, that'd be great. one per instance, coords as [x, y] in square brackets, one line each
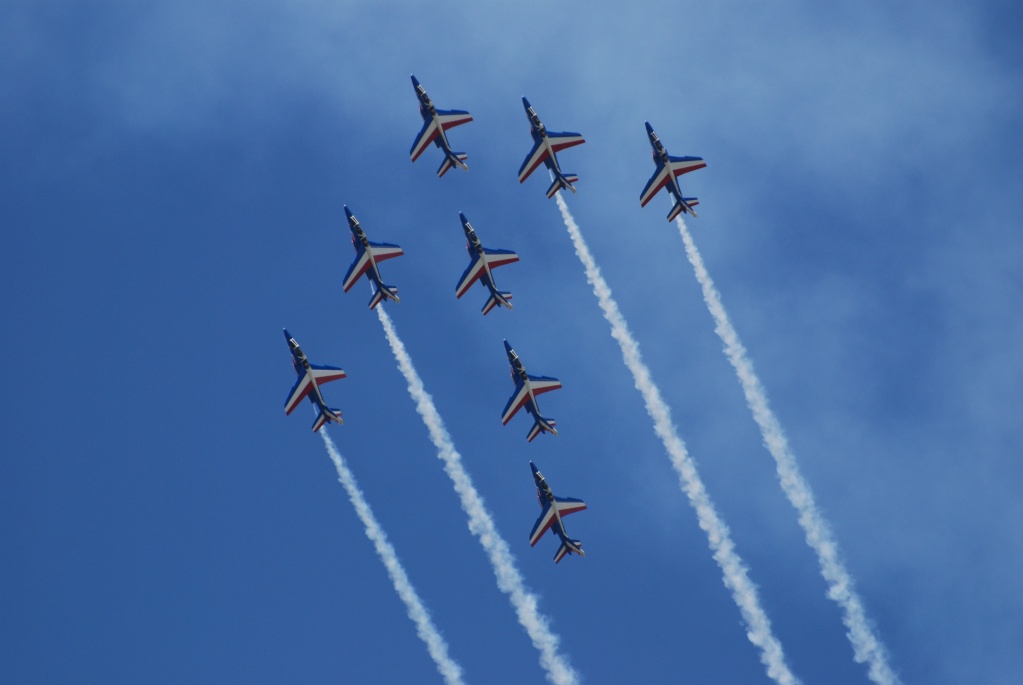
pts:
[736, 579]
[509, 580]
[428, 633]
[866, 645]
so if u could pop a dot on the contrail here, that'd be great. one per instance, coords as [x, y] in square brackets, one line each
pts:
[428, 633]
[867, 646]
[736, 579]
[509, 580]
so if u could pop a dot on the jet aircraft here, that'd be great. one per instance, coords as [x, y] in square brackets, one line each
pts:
[435, 123]
[367, 256]
[526, 389]
[552, 510]
[484, 259]
[545, 145]
[668, 170]
[310, 376]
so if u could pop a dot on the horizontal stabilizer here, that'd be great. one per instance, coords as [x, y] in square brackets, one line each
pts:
[385, 291]
[454, 159]
[326, 415]
[541, 425]
[683, 206]
[570, 546]
[562, 182]
[501, 298]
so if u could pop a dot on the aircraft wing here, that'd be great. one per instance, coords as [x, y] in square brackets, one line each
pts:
[424, 138]
[496, 258]
[561, 141]
[543, 523]
[518, 398]
[355, 271]
[656, 182]
[298, 393]
[326, 374]
[683, 165]
[449, 118]
[382, 251]
[534, 159]
[568, 505]
[542, 384]
[471, 275]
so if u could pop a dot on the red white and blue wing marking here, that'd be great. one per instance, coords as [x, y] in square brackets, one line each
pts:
[538, 384]
[496, 258]
[518, 399]
[565, 506]
[383, 251]
[449, 118]
[362, 262]
[424, 138]
[562, 551]
[683, 165]
[542, 524]
[298, 393]
[656, 182]
[533, 160]
[569, 505]
[542, 384]
[470, 276]
[326, 374]
[562, 141]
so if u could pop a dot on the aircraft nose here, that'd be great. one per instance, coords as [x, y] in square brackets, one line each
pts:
[462, 217]
[287, 336]
[525, 102]
[415, 81]
[649, 128]
[507, 346]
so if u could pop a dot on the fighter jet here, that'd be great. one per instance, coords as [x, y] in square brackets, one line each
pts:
[526, 389]
[367, 256]
[483, 261]
[552, 510]
[668, 169]
[545, 144]
[310, 376]
[435, 123]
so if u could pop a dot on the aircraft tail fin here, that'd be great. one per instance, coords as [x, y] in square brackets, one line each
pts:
[560, 182]
[325, 415]
[686, 205]
[501, 298]
[453, 159]
[542, 425]
[569, 547]
[383, 292]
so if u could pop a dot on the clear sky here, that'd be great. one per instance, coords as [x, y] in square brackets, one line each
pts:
[172, 176]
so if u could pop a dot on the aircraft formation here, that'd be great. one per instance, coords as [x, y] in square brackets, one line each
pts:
[368, 255]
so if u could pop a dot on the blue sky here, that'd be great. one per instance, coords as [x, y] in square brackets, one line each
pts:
[173, 176]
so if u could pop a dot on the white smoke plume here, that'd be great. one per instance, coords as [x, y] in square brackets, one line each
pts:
[428, 633]
[509, 580]
[867, 647]
[735, 576]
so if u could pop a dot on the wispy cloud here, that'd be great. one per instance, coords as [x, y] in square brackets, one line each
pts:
[866, 645]
[735, 576]
[509, 580]
[428, 633]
